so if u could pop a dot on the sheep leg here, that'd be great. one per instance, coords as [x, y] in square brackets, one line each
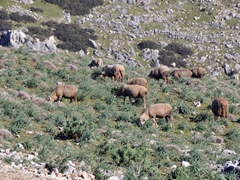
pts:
[130, 99]
[75, 100]
[154, 120]
[144, 102]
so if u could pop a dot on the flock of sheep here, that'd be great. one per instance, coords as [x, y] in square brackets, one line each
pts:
[138, 88]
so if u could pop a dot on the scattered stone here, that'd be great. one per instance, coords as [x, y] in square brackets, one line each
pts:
[185, 164]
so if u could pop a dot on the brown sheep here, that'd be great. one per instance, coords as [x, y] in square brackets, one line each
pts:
[116, 71]
[133, 91]
[220, 107]
[198, 72]
[181, 73]
[138, 81]
[96, 63]
[161, 110]
[67, 91]
[159, 73]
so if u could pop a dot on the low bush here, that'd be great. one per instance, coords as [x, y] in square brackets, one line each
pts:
[36, 9]
[168, 58]
[5, 26]
[203, 116]
[179, 49]
[148, 44]
[183, 108]
[40, 33]
[4, 15]
[73, 37]
[78, 7]
[22, 18]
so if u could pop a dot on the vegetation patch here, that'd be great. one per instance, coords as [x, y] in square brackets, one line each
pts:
[22, 18]
[73, 37]
[78, 7]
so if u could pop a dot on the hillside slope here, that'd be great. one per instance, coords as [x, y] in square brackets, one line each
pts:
[102, 136]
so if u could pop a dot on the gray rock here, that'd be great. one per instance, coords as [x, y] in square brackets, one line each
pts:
[24, 1]
[93, 44]
[228, 152]
[66, 17]
[81, 53]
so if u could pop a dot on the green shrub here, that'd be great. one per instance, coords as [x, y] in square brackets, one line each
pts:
[187, 94]
[148, 44]
[233, 134]
[127, 155]
[32, 83]
[201, 126]
[203, 116]
[183, 108]
[19, 124]
[28, 144]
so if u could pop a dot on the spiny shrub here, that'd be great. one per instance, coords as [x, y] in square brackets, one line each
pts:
[5, 26]
[148, 44]
[4, 15]
[36, 9]
[32, 83]
[201, 126]
[19, 124]
[78, 7]
[39, 32]
[183, 108]
[233, 134]
[179, 49]
[168, 58]
[203, 116]
[187, 94]
[182, 125]
[28, 144]
[22, 18]
[127, 155]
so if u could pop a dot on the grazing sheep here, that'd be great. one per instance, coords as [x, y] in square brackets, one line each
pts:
[67, 91]
[198, 72]
[138, 81]
[161, 110]
[116, 71]
[159, 73]
[133, 91]
[220, 107]
[96, 63]
[181, 73]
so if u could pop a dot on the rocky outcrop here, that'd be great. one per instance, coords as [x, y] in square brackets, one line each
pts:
[17, 39]
[26, 162]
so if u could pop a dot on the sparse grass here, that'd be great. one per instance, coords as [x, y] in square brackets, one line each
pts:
[108, 131]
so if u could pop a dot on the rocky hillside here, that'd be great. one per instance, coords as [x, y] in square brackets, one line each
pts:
[101, 137]
[209, 28]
